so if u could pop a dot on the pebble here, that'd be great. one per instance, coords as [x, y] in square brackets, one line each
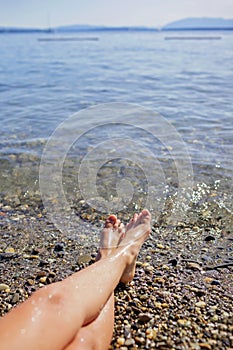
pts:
[193, 266]
[208, 279]
[121, 341]
[151, 333]
[84, 259]
[140, 340]
[43, 279]
[59, 247]
[30, 281]
[201, 304]
[144, 317]
[31, 257]
[4, 286]
[214, 318]
[215, 283]
[209, 238]
[159, 280]
[41, 274]
[205, 346]
[15, 298]
[184, 323]
[9, 250]
[160, 246]
[129, 342]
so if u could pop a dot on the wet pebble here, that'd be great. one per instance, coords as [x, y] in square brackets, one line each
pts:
[84, 259]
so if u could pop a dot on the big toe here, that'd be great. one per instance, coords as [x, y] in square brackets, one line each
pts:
[145, 216]
[111, 221]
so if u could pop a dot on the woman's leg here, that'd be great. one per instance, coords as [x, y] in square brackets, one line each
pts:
[52, 317]
[98, 334]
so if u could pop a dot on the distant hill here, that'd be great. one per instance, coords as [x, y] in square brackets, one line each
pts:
[183, 24]
[204, 23]
[90, 28]
[23, 30]
[76, 28]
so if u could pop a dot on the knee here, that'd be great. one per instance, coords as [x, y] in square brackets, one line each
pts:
[51, 296]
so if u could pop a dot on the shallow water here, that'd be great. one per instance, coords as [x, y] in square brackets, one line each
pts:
[190, 83]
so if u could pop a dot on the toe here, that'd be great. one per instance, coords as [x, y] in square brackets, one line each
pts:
[111, 221]
[117, 223]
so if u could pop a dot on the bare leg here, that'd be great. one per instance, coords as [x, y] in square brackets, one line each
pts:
[73, 303]
[97, 335]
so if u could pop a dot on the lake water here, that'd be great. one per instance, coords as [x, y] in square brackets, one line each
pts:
[189, 82]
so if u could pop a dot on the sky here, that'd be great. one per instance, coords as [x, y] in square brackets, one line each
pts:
[153, 13]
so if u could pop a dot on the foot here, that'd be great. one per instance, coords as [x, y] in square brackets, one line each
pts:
[137, 231]
[110, 236]
[116, 239]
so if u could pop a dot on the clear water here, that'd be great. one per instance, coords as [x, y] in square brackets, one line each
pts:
[190, 82]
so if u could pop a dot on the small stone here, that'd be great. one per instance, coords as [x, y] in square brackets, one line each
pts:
[164, 305]
[140, 340]
[9, 250]
[208, 279]
[84, 259]
[214, 318]
[4, 286]
[184, 323]
[201, 304]
[31, 257]
[160, 246]
[193, 266]
[145, 264]
[144, 317]
[151, 333]
[158, 305]
[41, 274]
[174, 262]
[15, 298]
[216, 283]
[205, 346]
[121, 341]
[43, 279]
[149, 268]
[59, 247]
[30, 281]
[129, 342]
[159, 280]
[9, 306]
[209, 238]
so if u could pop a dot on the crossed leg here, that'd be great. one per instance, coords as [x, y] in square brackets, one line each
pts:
[78, 312]
[98, 334]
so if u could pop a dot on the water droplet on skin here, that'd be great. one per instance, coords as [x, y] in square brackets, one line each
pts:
[33, 319]
[22, 331]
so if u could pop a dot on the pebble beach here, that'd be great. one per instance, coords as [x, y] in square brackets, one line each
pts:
[182, 293]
